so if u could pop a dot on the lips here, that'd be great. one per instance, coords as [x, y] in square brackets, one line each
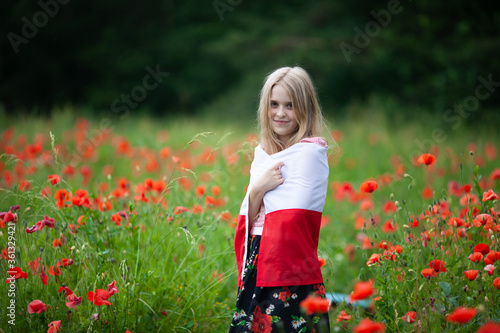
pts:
[281, 122]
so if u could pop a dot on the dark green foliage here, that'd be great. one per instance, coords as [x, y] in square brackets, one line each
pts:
[429, 55]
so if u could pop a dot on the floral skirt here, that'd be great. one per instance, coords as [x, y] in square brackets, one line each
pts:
[274, 309]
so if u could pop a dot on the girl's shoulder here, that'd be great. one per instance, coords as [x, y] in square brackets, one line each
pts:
[317, 140]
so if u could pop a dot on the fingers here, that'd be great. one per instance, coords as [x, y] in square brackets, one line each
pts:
[277, 166]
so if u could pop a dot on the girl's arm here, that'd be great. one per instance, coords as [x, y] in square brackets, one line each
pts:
[269, 180]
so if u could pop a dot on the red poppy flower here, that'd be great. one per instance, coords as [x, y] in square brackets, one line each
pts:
[62, 197]
[322, 262]
[73, 301]
[389, 207]
[343, 316]
[261, 322]
[427, 193]
[112, 288]
[5, 255]
[388, 227]
[36, 306]
[315, 304]
[366, 204]
[117, 219]
[461, 315]
[54, 326]
[496, 283]
[180, 209]
[16, 273]
[200, 190]
[65, 262]
[495, 174]
[44, 277]
[369, 186]
[491, 257]
[81, 219]
[471, 274]
[104, 206]
[490, 195]
[9, 217]
[374, 259]
[54, 179]
[427, 159]
[456, 222]
[56, 272]
[24, 185]
[55, 243]
[483, 248]
[368, 326]
[490, 268]
[409, 317]
[68, 170]
[428, 273]
[215, 190]
[48, 222]
[468, 198]
[396, 248]
[99, 297]
[34, 264]
[476, 257]
[362, 290]
[490, 327]
[438, 265]
[482, 219]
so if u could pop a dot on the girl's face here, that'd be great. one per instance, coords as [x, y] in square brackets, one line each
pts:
[281, 113]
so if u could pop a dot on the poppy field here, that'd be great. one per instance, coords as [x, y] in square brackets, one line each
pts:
[129, 227]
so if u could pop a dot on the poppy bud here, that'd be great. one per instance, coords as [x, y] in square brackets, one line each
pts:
[397, 204]
[392, 196]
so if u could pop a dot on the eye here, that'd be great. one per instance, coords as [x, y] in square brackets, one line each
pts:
[289, 106]
[274, 104]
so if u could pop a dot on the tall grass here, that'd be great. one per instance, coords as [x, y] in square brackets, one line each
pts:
[175, 271]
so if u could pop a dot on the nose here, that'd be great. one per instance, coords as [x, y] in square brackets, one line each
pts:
[281, 111]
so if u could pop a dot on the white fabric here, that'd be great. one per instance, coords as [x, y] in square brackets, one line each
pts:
[304, 172]
[257, 230]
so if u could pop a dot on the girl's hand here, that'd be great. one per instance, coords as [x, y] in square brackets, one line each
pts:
[270, 179]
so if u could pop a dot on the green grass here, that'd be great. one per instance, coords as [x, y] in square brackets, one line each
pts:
[165, 280]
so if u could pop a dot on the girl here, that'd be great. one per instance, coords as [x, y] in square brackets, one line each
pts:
[277, 233]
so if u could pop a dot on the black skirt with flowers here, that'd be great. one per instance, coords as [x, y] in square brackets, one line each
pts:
[274, 309]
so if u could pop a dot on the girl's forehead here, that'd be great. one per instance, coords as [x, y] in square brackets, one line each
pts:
[279, 92]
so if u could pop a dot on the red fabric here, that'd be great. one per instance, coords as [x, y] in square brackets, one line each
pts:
[288, 248]
[239, 246]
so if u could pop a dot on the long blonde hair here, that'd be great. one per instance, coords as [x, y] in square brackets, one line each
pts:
[307, 111]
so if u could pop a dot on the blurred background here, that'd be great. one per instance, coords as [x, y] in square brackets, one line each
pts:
[398, 58]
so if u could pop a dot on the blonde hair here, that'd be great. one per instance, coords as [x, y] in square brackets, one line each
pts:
[297, 82]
